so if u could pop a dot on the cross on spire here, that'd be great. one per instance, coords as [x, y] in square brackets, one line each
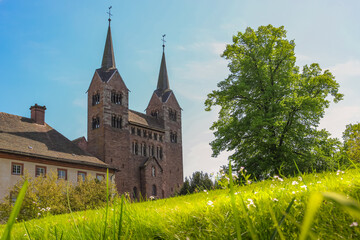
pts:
[163, 40]
[109, 12]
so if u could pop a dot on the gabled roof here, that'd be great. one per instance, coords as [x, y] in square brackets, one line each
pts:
[105, 75]
[145, 120]
[149, 160]
[20, 135]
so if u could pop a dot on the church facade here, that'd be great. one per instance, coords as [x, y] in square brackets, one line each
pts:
[146, 148]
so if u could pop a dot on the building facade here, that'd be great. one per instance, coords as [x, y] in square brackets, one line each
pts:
[30, 146]
[146, 148]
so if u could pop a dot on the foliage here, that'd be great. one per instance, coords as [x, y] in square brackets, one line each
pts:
[48, 196]
[210, 215]
[351, 138]
[199, 181]
[269, 110]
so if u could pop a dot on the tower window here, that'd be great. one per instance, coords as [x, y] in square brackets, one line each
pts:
[150, 135]
[144, 149]
[154, 113]
[173, 137]
[155, 136]
[172, 115]
[154, 192]
[153, 172]
[160, 138]
[116, 121]
[116, 98]
[96, 99]
[95, 122]
[152, 151]
[139, 132]
[133, 130]
[144, 133]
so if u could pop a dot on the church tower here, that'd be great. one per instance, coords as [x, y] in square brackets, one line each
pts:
[108, 113]
[145, 148]
[163, 105]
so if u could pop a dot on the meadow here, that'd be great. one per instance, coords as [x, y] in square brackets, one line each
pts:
[313, 206]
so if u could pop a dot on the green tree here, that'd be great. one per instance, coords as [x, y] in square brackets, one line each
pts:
[351, 138]
[269, 110]
[199, 181]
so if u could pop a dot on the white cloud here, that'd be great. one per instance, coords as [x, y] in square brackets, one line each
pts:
[350, 68]
[337, 117]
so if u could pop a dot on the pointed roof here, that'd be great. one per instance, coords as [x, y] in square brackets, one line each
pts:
[163, 81]
[108, 61]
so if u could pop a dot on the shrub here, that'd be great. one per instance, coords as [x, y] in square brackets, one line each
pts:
[49, 195]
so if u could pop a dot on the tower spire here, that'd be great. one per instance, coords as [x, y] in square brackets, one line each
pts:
[163, 81]
[108, 61]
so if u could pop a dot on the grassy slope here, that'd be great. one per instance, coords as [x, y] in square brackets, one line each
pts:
[210, 216]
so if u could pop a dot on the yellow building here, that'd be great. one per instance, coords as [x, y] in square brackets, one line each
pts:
[32, 146]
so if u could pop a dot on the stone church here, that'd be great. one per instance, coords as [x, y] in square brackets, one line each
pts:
[146, 148]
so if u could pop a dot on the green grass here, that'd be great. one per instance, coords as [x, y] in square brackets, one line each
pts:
[264, 209]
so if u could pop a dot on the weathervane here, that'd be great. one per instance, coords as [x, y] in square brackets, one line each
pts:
[163, 40]
[109, 12]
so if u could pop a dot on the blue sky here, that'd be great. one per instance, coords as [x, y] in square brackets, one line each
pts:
[50, 49]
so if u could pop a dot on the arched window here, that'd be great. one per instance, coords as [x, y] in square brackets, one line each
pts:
[116, 121]
[116, 97]
[136, 148]
[153, 151]
[173, 137]
[95, 98]
[154, 192]
[144, 150]
[153, 171]
[95, 122]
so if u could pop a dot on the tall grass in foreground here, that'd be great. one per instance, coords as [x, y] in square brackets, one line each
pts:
[326, 207]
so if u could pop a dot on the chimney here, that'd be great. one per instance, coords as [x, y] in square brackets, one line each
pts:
[38, 114]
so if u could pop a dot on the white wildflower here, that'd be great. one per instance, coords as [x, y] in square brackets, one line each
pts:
[318, 181]
[210, 203]
[48, 209]
[300, 178]
[251, 203]
[39, 214]
[294, 183]
[280, 179]
[248, 182]
[205, 190]
[275, 200]
[354, 224]
[242, 168]
[304, 186]
[293, 192]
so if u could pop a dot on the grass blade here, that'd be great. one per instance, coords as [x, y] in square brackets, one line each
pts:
[232, 195]
[277, 226]
[350, 205]
[27, 231]
[313, 205]
[283, 218]
[15, 212]
[107, 203]
[121, 217]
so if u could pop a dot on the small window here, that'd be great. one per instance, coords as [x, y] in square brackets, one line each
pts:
[139, 132]
[161, 153]
[100, 177]
[116, 98]
[40, 171]
[116, 121]
[154, 113]
[154, 192]
[133, 130]
[135, 148]
[153, 151]
[153, 171]
[95, 122]
[155, 136]
[173, 137]
[81, 176]
[62, 174]
[160, 138]
[96, 99]
[150, 135]
[17, 168]
[144, 149]
[144, 133]
[172, 115]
